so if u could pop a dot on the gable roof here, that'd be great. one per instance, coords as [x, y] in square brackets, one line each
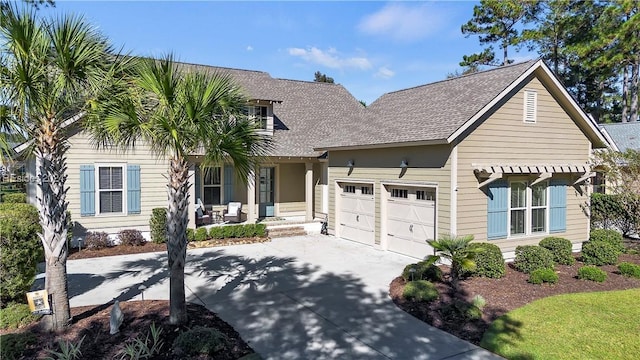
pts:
[440, 112]
[623, 136]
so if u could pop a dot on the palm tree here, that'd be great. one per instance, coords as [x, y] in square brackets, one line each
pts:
[179, 113]
[456, 250]
[49, 70]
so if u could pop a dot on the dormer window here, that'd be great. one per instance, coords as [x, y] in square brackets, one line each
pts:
[260, 115]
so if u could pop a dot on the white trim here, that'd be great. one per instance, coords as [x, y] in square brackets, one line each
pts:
[542, 177]
[528, 210]
[530, 114]
[96, 169]
[409, 183]
[379, 146]
[453, 206]
[612, 143]
[493, 177]
[356, 181]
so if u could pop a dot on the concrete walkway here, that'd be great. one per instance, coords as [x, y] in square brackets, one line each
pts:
[311, 297]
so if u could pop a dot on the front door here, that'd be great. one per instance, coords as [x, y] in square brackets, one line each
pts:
[266, 192]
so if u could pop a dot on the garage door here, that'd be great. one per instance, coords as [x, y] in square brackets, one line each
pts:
[411, 220]
[357, 209]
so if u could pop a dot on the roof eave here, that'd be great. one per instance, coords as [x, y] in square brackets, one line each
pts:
[382, 145]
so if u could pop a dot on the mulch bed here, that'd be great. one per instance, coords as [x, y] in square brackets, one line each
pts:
[92, 323]
[503, 295]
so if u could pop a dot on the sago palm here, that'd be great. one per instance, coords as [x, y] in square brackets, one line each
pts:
[456, 250]
[50, 70]
[178, 114]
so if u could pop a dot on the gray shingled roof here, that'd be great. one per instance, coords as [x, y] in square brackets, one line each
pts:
[429, 112]
[305, 112]
[624, 135]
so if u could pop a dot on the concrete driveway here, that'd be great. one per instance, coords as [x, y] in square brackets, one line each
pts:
[310, 297]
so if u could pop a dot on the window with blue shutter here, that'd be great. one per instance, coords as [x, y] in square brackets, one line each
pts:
[87, 190]
[228, 184]
[133, 189]
[497, 209]
[558, 206]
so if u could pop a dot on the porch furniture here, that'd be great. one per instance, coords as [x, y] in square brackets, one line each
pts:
[215, 216]
[233, 212]
[202, 216]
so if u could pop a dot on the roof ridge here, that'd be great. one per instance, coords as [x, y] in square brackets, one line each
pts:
[621, 123]
[222, 67]
[306, 81]
[463, 76]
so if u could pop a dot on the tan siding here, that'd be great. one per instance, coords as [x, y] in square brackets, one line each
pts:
[152, 178]
[290, 187]
[317, 189]
[503, 138]
[426, 164]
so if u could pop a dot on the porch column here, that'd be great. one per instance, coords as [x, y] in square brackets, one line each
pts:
[251, 197]
[308, 191]
[192, 197]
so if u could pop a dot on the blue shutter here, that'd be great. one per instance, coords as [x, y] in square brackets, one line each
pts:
[228, 184]
[497, 208]
[133, 189]
[87, 190]
[197, 182]
[558, 206]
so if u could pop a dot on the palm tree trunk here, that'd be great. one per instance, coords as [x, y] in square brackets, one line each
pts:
[52, 208]
[177, 220]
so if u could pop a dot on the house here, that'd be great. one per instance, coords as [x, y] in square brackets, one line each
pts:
[502, 155]
[621, 137]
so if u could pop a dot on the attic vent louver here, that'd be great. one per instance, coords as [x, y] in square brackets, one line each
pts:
[530, 106]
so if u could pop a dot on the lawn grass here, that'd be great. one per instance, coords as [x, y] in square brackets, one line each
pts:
[598, 325]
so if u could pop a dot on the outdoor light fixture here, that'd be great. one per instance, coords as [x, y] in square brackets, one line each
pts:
[350, 163]
[404, 164]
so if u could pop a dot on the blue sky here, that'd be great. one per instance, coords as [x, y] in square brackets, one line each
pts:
[369, 47]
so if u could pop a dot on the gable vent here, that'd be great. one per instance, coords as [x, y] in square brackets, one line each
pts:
[530, 106]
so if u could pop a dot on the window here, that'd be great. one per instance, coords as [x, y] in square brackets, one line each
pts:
[400, 193]
[528, 208]
[211, 185]
[259, 114]
[530, 106]
[110, 189]
[349, 189]
[366, 190]
[425, 195]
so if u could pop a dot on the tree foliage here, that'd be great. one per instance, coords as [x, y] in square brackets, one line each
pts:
[320, 77]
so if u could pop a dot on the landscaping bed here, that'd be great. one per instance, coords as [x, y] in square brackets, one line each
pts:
[503, 295]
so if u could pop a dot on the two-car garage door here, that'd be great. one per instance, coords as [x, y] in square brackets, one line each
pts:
[411, 220]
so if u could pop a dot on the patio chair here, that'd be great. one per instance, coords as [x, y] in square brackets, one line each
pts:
[233, 212]
[202, 216]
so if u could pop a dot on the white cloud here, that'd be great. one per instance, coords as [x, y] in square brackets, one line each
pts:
[330, 58]
[403, 22]
[249, 48]
[384, 73]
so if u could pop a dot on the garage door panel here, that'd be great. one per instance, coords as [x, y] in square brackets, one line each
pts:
[357, 211]
[411, 222]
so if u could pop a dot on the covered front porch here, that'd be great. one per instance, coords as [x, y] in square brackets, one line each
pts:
[278, 189]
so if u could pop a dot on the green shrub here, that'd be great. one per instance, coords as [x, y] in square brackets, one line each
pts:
[200, 341]
[131, 238]
[14, 198]
[560, 248]
[615, 211]
[97, 240]
[16, 315]
[420, 290]
[609, 236]
[592, 273]
[489, 261]
[191, 235]
[249, 230]
[532, 257]
[539, 276]
[158, 225]
[216, 232]
[201, 234]
[260, 230]
[629, 269]
[459, 311]
[229, 231]
[424, 270]
[20, 249]
[12, 346]
[599, 253]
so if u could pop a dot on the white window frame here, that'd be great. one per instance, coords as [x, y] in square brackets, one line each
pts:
[97, 167]
[205, 186]
[530, 114]
[265, 122]
[528, 223]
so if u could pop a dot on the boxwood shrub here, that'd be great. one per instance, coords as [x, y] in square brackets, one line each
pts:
[592, 273]
[201, 234]
[131, 237]
[532, 257]
[423, 271]
[560, 249]
[14, 198]
[599, 253]
[539, 276]
[16, 315]
[200, 341]
[609, 236]
[489, 261]
[420, 290]
[158, 225]
[191, 235]
[216, 232]
[629, 269]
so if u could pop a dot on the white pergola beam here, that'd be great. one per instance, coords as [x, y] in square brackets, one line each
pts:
[543, 176]
[493, 177]
[584, 177]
